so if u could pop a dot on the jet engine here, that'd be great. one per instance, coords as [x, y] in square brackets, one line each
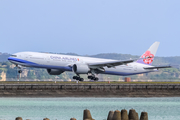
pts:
[54, 71]
[80, 68]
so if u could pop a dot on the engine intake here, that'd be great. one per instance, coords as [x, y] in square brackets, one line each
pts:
[80, 68]
[54, 71]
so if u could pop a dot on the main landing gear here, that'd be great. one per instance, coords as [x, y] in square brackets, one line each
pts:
[93, 78]
[78, 78]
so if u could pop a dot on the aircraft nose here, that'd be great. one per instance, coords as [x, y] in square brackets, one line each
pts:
[9, 59]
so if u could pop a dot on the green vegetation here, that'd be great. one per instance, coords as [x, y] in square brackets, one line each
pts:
[11, 73]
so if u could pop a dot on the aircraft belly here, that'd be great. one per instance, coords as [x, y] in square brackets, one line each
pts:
[123, 71]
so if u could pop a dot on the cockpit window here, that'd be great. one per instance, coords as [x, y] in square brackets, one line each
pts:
[13, 55]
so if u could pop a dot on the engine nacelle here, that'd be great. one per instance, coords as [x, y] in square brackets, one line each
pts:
[80, 68]
[54, 71]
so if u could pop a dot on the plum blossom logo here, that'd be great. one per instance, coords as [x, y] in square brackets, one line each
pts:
[148, 57]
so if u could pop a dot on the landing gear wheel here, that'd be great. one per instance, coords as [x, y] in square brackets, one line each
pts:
[90, 77]
[81, 79]
[96, 79]
[74, 77]
[20, 71]
[78, 78]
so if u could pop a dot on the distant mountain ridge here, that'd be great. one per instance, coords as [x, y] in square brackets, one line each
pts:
[4, 57]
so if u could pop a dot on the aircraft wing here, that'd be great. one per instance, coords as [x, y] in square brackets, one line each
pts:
[110, 63]
[158, 67]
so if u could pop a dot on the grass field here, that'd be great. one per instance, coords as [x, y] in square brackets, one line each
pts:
[85, 82]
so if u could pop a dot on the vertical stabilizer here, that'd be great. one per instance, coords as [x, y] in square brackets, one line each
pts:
[148, 56]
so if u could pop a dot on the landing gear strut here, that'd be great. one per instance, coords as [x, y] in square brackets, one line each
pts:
[19, 67]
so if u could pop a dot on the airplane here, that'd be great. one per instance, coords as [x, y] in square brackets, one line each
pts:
[56, 64]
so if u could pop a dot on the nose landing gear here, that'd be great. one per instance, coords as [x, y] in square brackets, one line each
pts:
[19, 67]
[19, 71]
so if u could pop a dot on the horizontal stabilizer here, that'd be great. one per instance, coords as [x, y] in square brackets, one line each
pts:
[158, 67]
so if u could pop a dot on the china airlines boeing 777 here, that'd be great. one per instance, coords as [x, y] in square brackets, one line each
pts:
[57, 64]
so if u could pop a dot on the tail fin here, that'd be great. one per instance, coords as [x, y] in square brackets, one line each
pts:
[148, 57]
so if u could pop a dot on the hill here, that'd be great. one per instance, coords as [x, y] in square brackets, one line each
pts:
[4, 57]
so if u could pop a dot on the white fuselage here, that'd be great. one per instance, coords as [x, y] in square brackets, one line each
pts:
[65, 63]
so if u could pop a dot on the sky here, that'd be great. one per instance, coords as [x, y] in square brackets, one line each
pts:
[89, 27]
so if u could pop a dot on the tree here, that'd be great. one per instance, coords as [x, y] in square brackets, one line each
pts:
[31, 74]
[11, 73]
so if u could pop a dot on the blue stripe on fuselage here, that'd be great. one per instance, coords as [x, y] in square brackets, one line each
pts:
[32, 64]
[20, 61]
